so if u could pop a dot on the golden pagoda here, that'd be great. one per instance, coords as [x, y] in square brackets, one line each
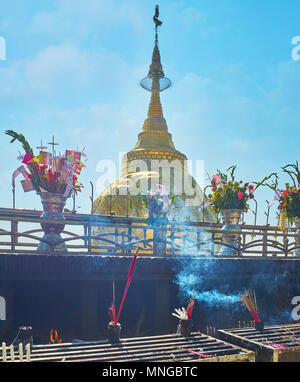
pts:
[153, 156]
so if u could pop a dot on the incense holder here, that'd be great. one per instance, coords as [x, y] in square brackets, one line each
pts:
[259, 325]
[231, 233]
[114, 332]
[184, 328]
[53, 205]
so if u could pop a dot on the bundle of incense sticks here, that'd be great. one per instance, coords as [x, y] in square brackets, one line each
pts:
[186, 314]
[249, 299]
[112, 310]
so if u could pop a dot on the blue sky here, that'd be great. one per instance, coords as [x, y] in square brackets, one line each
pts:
[73, 68]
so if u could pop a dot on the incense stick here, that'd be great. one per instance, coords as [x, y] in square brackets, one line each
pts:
[249, 299]
[127, 285]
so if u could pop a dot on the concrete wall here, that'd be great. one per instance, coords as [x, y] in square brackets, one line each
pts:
[72, 294]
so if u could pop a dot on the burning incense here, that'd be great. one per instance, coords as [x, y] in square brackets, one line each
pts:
[249, 299]
[129, 278]
[186, 314]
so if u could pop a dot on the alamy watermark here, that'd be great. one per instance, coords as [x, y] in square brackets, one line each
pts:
[296, 310]
[296, 49]
[2, 49]
[2, 309]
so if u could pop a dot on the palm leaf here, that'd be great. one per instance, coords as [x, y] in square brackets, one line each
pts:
[20, 137]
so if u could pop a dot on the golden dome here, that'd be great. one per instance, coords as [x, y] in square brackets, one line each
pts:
[121, 198]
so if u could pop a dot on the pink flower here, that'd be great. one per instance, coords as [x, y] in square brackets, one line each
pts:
[217, 178]
[28, 158]
[240, 195]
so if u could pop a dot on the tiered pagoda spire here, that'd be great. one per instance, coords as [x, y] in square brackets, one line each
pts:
[154, 142]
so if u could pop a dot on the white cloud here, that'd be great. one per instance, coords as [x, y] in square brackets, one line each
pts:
[65, 71]
[83, 18]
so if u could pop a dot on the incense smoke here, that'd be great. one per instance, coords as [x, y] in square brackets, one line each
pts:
[219, 282]
[186, 281]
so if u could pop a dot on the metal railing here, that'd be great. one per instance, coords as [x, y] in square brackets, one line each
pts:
[84, 234]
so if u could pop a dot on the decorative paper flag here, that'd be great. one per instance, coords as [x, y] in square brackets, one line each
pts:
[44, 157]
[73, 156]
[18, 171]
[27, 185]
[78, 168]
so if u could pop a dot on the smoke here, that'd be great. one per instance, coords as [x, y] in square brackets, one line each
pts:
[219, 282]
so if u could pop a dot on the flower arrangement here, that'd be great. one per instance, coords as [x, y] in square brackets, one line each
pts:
[48, 172]
[227, 193]
[289, 198]
[158, 204]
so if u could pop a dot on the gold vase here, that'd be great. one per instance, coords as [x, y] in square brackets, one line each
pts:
[230, 240]
[53, 205]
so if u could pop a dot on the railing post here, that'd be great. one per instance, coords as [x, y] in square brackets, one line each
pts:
[184, 242]
[14, 236]
[145, 238]
[89, 241]
[123, 241]
[85, 232]
[172, 238]
[116, 236]
[286, 245]
[265, 248]
[159, 240]
[129, 234]
[52, 232]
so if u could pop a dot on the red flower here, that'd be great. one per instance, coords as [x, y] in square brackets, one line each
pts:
[51, 175]
[240, 195]
[251, 188]
[246, 184]
[28, 159]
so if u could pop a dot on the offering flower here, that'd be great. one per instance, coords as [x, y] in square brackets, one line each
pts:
[228, 193]
[158, 204]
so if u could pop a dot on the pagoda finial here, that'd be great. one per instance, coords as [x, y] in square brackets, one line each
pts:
[156, 78]
[157, 22]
